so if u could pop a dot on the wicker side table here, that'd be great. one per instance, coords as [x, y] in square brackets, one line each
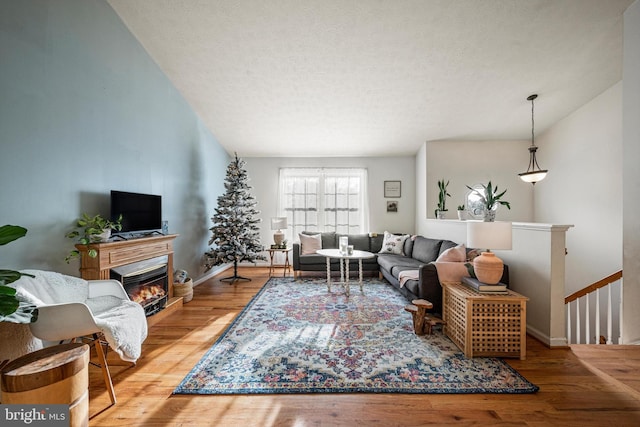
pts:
[480, 324]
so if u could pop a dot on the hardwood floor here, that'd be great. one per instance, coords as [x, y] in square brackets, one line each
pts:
[582, 386]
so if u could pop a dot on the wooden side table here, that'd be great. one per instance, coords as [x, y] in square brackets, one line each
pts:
[483, 324]
[287, 265]
[53, 375]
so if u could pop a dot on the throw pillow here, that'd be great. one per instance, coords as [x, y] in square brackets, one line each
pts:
[309, 243]
[393, 243]
[472, 253]
[455, 254]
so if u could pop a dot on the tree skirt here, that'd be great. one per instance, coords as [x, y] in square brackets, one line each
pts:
[296, 337]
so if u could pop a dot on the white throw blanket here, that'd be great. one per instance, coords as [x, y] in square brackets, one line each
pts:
[407, 275]
[447, 272]
[122, 322]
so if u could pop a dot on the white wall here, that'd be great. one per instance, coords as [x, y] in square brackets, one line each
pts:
[263, 173]
[478, 162]
[631, 190]
[536, 270]
[468, 163]
[583, 153]
[421, 189]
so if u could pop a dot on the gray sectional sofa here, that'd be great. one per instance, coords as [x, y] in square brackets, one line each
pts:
[330, 240]
[418, 254]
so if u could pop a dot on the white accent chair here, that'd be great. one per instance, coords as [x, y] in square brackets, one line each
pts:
[71, 321]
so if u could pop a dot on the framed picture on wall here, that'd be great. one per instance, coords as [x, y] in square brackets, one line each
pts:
[392, 206]
[392, 188]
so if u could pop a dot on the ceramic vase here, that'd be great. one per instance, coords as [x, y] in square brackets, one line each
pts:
[104, 236]
[488, 268]
[489, 215]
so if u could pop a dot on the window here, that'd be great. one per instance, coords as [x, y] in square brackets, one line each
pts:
[324, 200]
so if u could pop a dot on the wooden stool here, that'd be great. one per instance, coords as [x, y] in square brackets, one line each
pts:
[53, 375]
[422, 322]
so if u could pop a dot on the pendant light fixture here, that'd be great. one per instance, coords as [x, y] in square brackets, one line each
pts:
[533, 173]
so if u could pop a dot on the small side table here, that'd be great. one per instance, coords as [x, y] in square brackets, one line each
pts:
[485, 324]
[287, 265]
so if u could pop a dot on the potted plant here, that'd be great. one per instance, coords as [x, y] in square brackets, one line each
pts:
[11, 308]
[92, 229]
[442, 199]
[490, 198]
[462, 213]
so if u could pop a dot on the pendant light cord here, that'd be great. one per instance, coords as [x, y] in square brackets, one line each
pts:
[531, 98]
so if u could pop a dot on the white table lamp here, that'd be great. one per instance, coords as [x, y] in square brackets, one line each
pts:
[488, 235]
[278, 223]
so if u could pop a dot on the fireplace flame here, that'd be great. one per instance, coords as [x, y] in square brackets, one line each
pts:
[147, 293]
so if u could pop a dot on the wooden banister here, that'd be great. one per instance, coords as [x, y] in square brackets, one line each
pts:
[591, 288]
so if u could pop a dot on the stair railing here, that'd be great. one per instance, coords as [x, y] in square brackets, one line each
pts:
[583, 295]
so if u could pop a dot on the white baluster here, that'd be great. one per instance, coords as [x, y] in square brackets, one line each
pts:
[569, 323]
[620, 313]
[598, 316]
[578, 321]
[587, 321]
[609, 323]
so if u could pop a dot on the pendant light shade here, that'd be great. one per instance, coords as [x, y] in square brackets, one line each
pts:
[533, 173]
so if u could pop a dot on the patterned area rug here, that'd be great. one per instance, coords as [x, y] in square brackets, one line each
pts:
[296, 337]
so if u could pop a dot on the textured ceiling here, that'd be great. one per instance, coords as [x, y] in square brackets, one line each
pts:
[378, 78]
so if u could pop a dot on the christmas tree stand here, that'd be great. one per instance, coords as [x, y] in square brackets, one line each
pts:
[235, 276]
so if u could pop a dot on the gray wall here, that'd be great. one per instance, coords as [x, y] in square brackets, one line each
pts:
[85, 110]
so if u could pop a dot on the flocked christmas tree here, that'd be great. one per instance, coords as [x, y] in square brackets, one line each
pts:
[235, 233]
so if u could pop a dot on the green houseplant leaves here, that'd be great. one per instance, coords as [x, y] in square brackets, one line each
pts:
[490, 197]
[88, 230]
[12, 309]
[442, 196]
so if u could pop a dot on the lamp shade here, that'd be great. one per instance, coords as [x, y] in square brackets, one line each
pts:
[278, 223]
[533, 176]
[489, 235]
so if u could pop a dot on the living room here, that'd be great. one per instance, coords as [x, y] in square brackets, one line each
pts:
[86, 109]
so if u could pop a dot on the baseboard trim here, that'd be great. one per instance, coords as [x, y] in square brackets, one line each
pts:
[546, 339]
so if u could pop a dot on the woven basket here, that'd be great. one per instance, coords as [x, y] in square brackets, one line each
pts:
[184, 290]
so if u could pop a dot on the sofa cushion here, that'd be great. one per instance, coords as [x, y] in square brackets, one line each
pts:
[393, 243]
[455, 254]
[396, 269]
[309, 243]
[407, 249]
[447, 244]
[425, 249]
[329, 240]
[376, 242]
[316, 259]
[389, 261]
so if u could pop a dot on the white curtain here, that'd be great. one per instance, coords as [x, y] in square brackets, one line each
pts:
[324, 199]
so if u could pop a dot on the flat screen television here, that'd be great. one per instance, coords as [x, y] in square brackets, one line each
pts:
[140, 212]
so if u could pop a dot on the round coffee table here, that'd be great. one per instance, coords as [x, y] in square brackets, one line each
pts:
[344, 259]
